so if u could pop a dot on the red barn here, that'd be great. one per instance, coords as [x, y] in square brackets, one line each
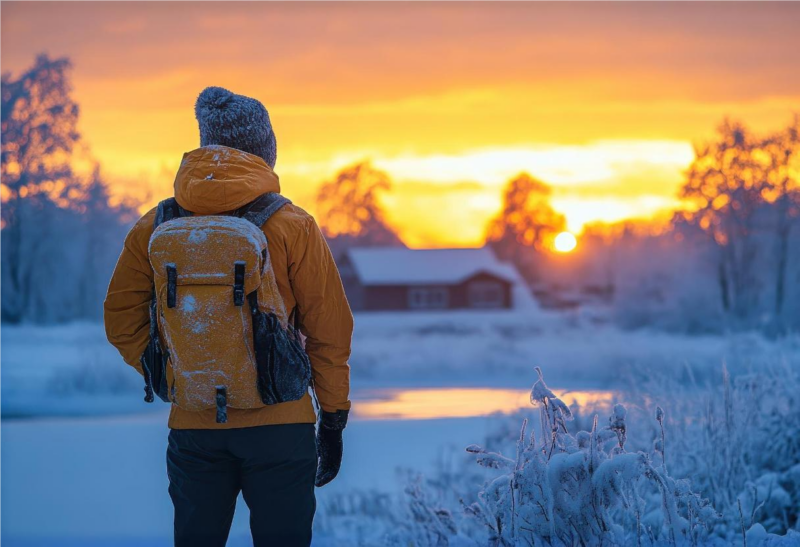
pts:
[384, 278]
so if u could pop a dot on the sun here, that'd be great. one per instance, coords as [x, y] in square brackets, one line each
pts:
[565, 242]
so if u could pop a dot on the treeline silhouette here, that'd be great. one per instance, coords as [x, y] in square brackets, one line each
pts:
[729, 259]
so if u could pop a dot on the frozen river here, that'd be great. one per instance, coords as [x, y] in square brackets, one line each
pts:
[102, 481]
[91, 478]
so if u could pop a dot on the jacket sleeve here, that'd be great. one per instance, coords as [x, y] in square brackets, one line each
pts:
[126, 311]
[324, 316]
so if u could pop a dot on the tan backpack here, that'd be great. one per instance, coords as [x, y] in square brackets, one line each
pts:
[220, 334]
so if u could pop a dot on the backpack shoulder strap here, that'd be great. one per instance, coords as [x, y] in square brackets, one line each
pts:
[167, 210]
[262, 208]
[153, 356]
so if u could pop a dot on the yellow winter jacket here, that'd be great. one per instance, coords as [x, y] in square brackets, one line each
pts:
[304, 269]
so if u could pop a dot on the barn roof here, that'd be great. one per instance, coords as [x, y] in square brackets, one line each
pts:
[398, 266]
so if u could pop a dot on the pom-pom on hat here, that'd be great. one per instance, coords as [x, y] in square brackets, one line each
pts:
[240, 122]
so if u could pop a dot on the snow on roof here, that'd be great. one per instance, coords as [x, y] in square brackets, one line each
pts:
[398, 266]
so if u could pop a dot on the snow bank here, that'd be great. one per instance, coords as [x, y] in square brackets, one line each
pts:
[72, 370]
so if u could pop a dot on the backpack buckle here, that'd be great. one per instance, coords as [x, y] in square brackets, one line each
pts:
[172, 285]
[221, 400]
[238, 283]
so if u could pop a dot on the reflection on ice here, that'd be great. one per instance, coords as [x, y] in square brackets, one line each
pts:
[425, 403]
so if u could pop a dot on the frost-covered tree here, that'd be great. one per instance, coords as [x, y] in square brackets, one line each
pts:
[731, 260]
[39, 120]
[782, 151]
[744, 193]
[726, 183]
[60, 233]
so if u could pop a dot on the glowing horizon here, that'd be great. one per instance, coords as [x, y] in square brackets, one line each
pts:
[451, 100]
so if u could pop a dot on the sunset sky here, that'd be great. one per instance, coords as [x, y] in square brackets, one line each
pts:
[601, 100]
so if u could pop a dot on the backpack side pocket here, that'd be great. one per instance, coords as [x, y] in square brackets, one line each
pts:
[292, 369]
[284, 371]
[154, 362]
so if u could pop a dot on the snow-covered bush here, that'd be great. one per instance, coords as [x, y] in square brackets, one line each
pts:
[355, 517]
[424, 522]
[614, 482]
[585, 489]
[739, 438]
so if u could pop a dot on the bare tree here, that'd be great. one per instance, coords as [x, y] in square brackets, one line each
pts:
[727, 182]
[349, 209]
[525, 223]
[747, 196]
[783, 156]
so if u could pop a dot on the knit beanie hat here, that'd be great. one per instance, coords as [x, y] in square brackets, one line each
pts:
[236, 121]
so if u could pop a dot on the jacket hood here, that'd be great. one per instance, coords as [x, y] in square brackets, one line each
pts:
[217, 179]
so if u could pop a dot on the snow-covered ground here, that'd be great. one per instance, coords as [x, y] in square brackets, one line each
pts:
[83, 456]
[102, 480]
[72, 370]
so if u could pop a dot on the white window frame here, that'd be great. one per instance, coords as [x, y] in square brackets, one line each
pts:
[428, 298]
[485, 294]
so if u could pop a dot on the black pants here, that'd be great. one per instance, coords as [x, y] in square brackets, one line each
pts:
[273, 466]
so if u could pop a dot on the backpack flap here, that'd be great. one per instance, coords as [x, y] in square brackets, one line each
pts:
[204, 250]
[204, 268]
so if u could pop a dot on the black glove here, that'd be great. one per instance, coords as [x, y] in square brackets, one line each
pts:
[329, 445]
